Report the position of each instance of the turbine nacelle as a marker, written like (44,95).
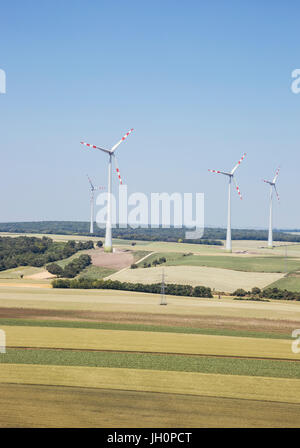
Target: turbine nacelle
(273,182)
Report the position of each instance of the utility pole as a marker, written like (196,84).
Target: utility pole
(163,299)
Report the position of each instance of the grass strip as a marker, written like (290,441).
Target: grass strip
(227,366)
(142,327)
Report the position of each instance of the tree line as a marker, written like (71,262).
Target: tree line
(71,269)
(267,293)
(154,288)
(211,236)
(174,289)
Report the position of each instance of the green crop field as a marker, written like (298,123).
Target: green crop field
(146,361)
(95,272)
(290,282)
(238,263)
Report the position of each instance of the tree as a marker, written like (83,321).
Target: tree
(70,270)
(55,269)
(133,266)
(240,292)
(255,291)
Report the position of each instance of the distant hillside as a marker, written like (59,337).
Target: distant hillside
(211,235)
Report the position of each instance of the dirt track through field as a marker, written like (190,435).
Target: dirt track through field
(175,320)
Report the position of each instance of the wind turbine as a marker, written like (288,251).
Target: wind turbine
(230,178)
(272,184)
(93,189)
(111,154)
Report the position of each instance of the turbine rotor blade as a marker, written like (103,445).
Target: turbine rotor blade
(238,164)
(267,182)
(237,188)
(276,175)
(95,147)
(117,170)
(122,139)
(276,192)
(220,172)
(92,186)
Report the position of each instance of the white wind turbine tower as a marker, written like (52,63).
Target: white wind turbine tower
(272,184)
(111,154)
(93,189)
(230,178)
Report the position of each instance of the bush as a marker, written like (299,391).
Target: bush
(61,283)
(269,293)
(202,291)
(99,243)
(133,266)
(255,291)
(239,292)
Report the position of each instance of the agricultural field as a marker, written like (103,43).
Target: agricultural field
(290,282)
(225,280)
(247,264)
(16,273)
(217,362)
(104,358)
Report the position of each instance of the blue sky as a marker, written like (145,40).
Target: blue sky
(200,82)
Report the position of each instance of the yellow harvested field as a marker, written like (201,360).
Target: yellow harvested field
(133,302)
(44,275)
(80,338)
(229,386)
(22,284)
(220,279)
(59,407)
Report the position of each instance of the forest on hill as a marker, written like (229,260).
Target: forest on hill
(210,236)
(31,251)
